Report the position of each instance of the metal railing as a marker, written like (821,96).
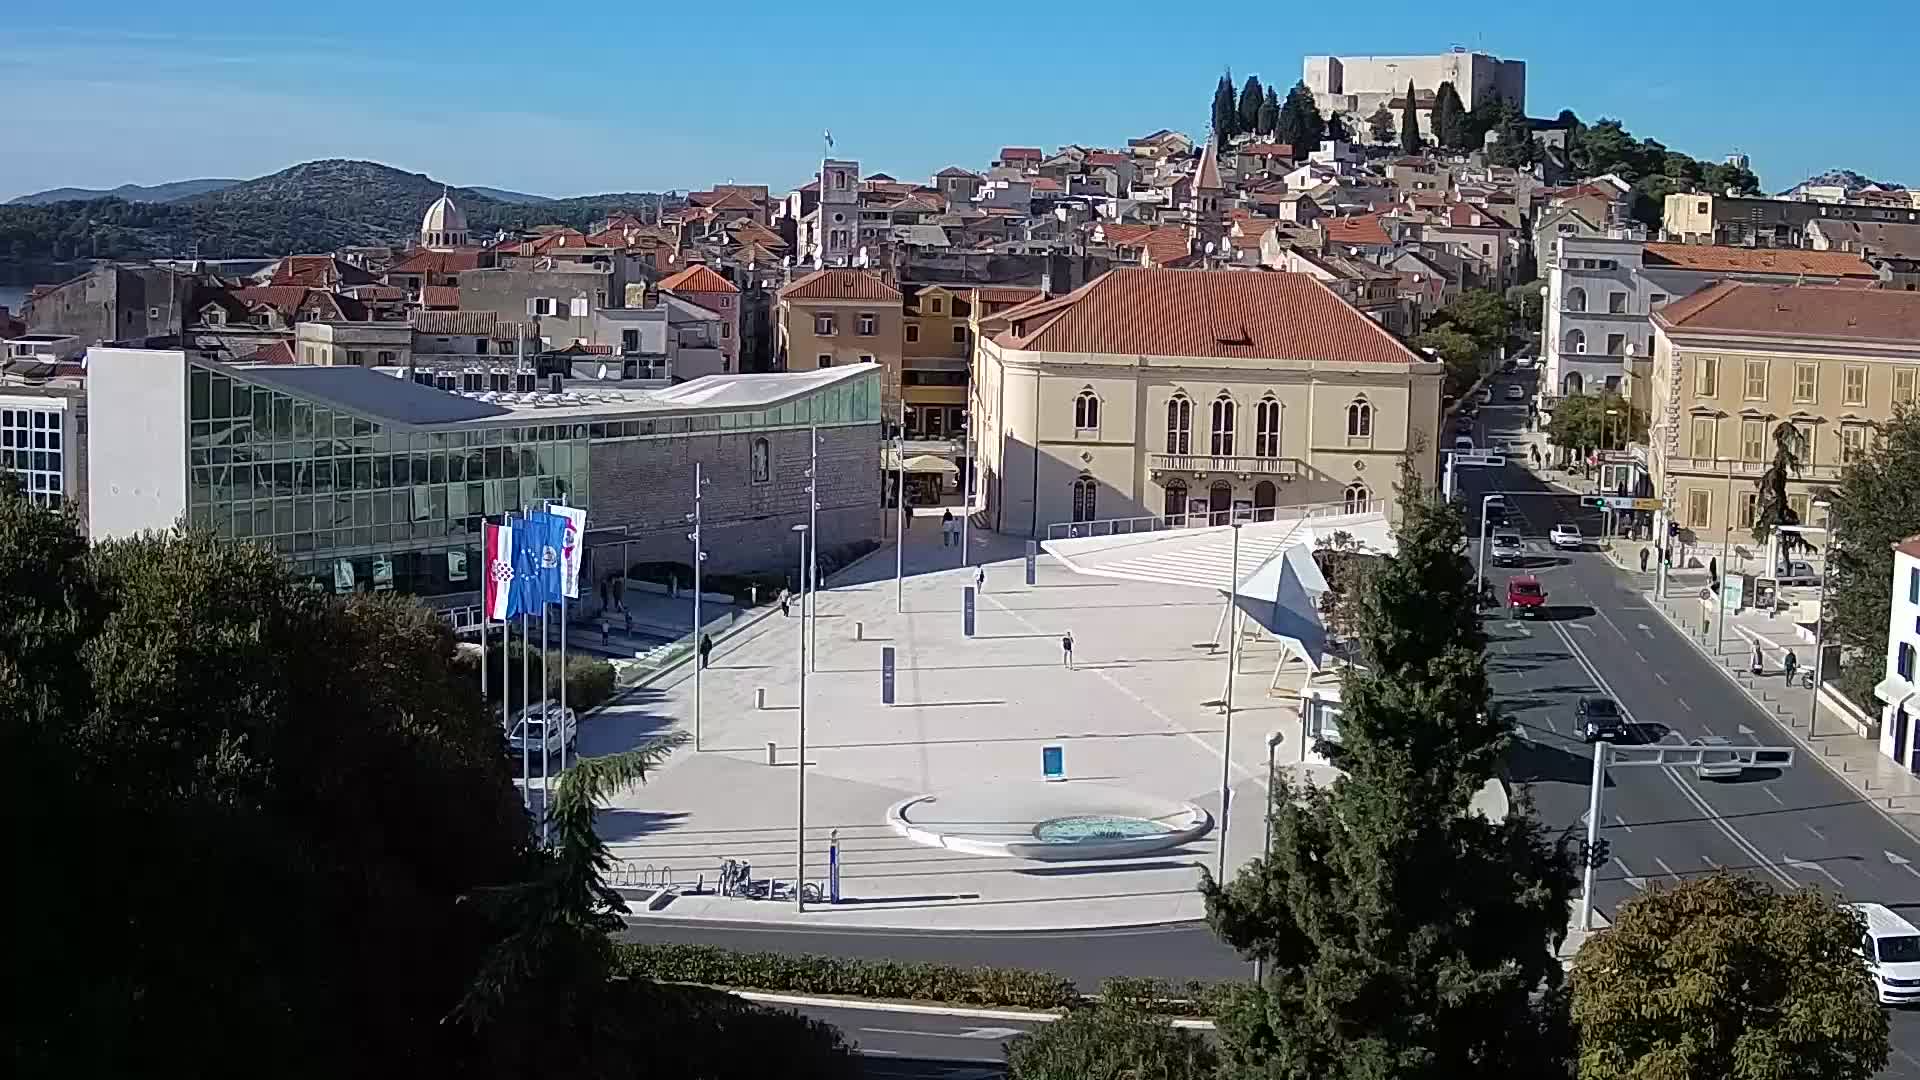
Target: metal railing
(1740,467)
(1152,523)
(1215,463)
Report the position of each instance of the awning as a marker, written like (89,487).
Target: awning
(924,464)
(1894,690)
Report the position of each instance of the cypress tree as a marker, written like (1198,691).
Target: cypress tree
(1252,96)
(1300,123)
(1337,129)
(1225,115)
(1269,114)
(1404,935)
(1409,125)
(1449,118)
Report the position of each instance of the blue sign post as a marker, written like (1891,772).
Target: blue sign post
(1033,559)
(833,864)
(968,610)
(886,675)
(1053,763)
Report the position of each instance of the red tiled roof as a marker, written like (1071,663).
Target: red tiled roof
(284,298)
(1742,260)
(1364,229)
(1044,183)
(838,284)
(1834,312)
(1107,157)
(477,323)
(1020,153)
(440,296)
(1204,313)
(278,352)
(1265,149)
(1006,294)
(698,278)
(318,272)
(1162,243)
(1207,176)
(437,262)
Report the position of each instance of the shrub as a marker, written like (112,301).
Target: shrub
(1115,1038)
(589,679)
(848,976)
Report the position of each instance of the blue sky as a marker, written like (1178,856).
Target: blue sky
(567,99)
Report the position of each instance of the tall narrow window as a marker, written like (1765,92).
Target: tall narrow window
(1704,429)
(1086,412)
(1903,385)
(1179,425)
(1357,497)
(1266,428)
(1756,384)
(1176,502)
(1223,417)
(1853,385)
(1806,382)
(1699,508)
(1749,509)
(1084,490)
(1853,443)
(761,461)
(1753,440)
(1359,419)
(1706,376)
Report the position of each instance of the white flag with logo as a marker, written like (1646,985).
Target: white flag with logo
(571,549)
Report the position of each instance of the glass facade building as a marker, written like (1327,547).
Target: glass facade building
(357,501)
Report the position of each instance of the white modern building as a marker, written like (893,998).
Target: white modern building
(1898,691)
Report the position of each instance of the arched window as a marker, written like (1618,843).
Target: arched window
(1176,504)
(1223,410)
(1264,496)
(1576,299)
(1179,425)
(1576,342)
(1219,502)
(1572,384)
(1083,498)
(1266,428)
(1358,497)
(762,461)
(1086,412)
(1360,419)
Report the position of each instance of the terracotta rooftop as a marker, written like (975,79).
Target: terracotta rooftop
(437,262)
(837,284)
(1162,243)
(476,323)
(1744,260)
(277,352)
(440,296)
(1364,229)
(698,278)
(1020,153)
(1203,313)
(1265,149)
(318,272)
(1831,312)
(1007,294)
(1106,157)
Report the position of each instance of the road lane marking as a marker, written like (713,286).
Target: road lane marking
(1805,865)
(1662,678)
(1641,655)
(1683,703)
(1644,629)
(1622,823)
(1700,803)
(1639,883)
(1708,859)
(1899,861)
(970,1033)
(1771,795)
(1662,864)
(1816,832)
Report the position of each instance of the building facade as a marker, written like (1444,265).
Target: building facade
(1193,395)
(1737,220)
(1899,690)
(1357,85)
(1734,361)
(365,481)
(835,317)
(43,442)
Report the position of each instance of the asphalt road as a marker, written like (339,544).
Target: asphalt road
(1799,827)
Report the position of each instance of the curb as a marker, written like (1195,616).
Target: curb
(636,921)
(866,1005)
(1793,732)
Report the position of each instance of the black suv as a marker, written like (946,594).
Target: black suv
(1597,718)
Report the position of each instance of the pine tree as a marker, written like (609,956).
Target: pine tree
(1226,116)
(1403,934)
(1409,125)
(1380,125)
(1247,116)
(1270,114)
(1514,145)
(1337,129)
(1301,126)
(1449,118)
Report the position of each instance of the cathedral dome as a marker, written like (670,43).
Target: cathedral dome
(444,226)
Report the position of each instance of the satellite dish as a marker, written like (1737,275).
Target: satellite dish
(861,259)
(1209,247)
(602,373)
(786,261)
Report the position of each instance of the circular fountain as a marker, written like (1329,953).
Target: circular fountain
(1048,821)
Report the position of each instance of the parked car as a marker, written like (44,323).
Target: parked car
(1892,948)
(1463,424)
(1566,537)
(530,729)
(1525,596)
(1516,393)
(1506,548)
(1717,760)
(1485,396)
(1597,718)
(1525,363)
(1463,442)
(1796,572)
(1496,514)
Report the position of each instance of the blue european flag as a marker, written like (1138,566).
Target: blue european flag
(550,533)
(528,590)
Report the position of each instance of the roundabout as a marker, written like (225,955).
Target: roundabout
(1048,821)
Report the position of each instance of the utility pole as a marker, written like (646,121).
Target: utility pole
(699,556)
(1233,657)
(900,512)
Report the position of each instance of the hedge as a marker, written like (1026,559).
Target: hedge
(899,979)
(590,680)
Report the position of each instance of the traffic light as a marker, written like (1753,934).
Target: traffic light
(1593,502)
(1598,853)
(1673,528)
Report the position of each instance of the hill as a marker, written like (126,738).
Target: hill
(504,196)
(311,207)
(1844,178)
(158,193)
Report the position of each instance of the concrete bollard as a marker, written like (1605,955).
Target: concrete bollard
(859,631)
(770,754)
(760,697)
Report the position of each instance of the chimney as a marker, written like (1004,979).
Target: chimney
(1046,281)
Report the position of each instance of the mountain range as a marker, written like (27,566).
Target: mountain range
(158,193)
(1844,178)
(311,207)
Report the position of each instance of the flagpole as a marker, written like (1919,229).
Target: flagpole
(546,792)
(506,638)
(526,703)
(564,734)
(699,556)
(813,530)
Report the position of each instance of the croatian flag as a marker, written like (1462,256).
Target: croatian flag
(497,545)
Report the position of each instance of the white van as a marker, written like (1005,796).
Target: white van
(1892,948)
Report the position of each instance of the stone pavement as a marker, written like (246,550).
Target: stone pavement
(1826,736)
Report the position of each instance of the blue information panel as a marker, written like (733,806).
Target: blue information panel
(1053,762)
(1033,558)
(967,607)
(886,675)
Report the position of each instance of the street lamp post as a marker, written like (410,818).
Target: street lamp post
(1480,568)
(812,608)
(1820,612)
(1233,657)
(800,765)
(900,513)
(1266,842)
(966,482)
(699,556)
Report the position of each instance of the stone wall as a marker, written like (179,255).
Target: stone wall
(647,485)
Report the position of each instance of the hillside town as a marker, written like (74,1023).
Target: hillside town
(1653,393)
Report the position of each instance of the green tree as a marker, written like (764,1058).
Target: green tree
(1583,423)
(1458,351)
(1337,129)
(1527,305)
(1301,125)
(1247,114)
(1875,505)
(1773,509)
(1380,125)
(1404,936)
(1724,977)
(1226,114)
(1410,141)
(1449,118)
(1482,314)
(1270,113)
(1514,146)
(1607,147)
(1114,1040)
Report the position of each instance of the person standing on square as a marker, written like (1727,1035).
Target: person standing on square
(1066,650)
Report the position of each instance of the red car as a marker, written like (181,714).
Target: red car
(1525,596)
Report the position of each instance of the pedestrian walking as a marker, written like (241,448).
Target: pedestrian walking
(946,528)
(1790,663)
(1643,560)
(784,613)
(628,617)
(603,630)
(1759,660)
(980,578)
(1066,650)
(706,649)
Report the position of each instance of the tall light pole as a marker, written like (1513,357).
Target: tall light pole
(800,765)
(1480,568)
(1266,842)
(813,529)
(966,482)
(900,512)
(1233,657)
(1820,612)
(1600,747)
(699,556)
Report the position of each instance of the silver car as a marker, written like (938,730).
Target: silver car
(557,729)
(1717,759)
